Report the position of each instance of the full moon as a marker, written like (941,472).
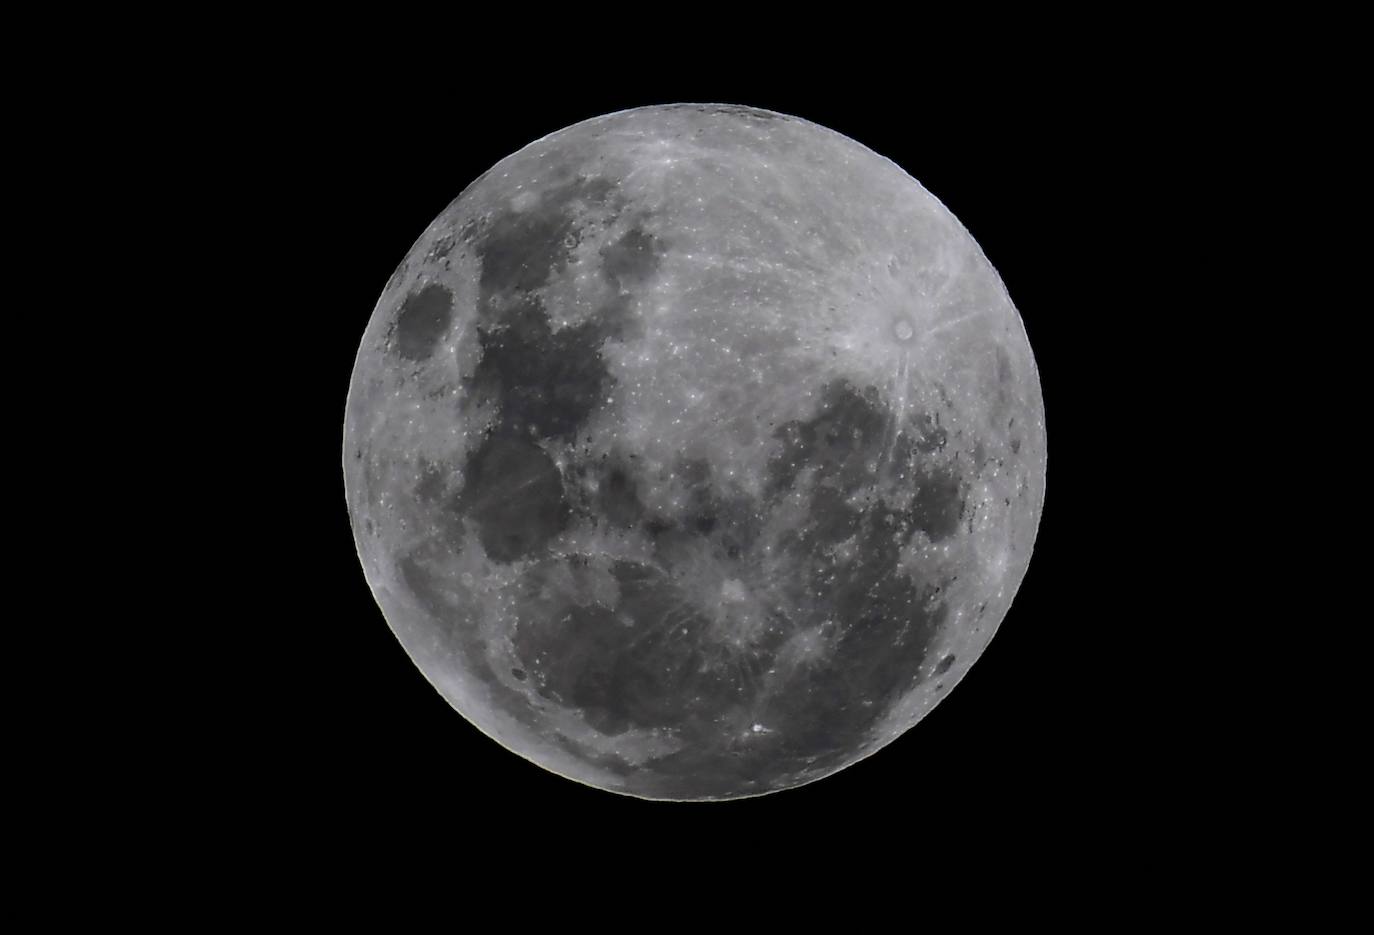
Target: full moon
(694,452)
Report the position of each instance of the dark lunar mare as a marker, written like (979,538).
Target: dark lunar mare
(521,250)
(879,624)
(646,663)
(840,439)
(424,319)
(652,661)
(633,259)
(543,382)
(513,491)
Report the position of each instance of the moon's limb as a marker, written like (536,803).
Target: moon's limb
(694,452)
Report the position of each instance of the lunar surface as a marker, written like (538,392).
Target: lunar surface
(694,452)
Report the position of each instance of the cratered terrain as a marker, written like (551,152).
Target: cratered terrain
(694,452)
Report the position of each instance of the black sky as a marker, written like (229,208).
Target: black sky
(1043,169)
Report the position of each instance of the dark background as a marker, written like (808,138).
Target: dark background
(1047,735)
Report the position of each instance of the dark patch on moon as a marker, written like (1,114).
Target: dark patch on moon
(521,250)
(655,661)
(885,625)
(1005,380)
(739,526)
(832,518)
(938,503)
(430,487)
(702,511)
(616,320)
(617,502)
(943,666)
(840,440)
(581,664)
(513,491)
(931,436)
(633,259)
(1004,374)
(644,663)
(844,439)
(543,382)
(425,317)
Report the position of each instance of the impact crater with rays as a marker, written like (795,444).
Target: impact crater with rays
(694,452)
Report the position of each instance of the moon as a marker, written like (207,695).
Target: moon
(694,452)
